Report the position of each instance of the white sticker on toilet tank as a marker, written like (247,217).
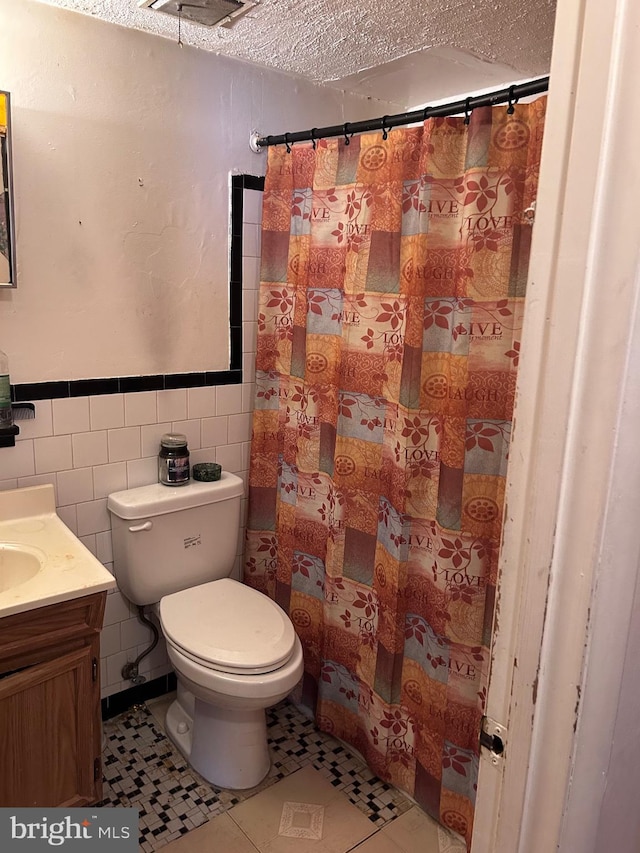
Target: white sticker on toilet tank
(193,541)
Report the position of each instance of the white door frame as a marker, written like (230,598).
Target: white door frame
(582,291)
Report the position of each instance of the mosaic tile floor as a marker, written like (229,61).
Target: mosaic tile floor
(143,769)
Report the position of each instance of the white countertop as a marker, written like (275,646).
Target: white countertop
(68,569)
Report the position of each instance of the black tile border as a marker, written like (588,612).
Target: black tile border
(123,385)
(117,703)
(161,382)
(253,182)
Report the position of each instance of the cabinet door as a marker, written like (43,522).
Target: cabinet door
(49,731)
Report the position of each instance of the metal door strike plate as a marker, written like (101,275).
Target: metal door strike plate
(493,737)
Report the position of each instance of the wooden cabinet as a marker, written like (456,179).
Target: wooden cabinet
(50,723)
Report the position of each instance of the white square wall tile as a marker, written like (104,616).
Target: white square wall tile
(150,438)
(241,540)
(249,366)
(251,241)
(250,305)
(240,427)
(134,632)
(104,548)
(52,454)
(109,478)
(203,454)
(252,206)
(93,517)
(42,424)
(201,402)
(109,689)
(107,411)
(110,640)
(248,396)
(89,542)
(116,608)
(75,486)
(246,455)
(40,480)
(142,472)
(140,407)
(67,514)
(71,414)
(191,429)
(114,667)
(158,657)
(172,405)
(124,444)
(230,457)
(249,337)
(158,672)
(251,274)
(89,448)
(214,431)
(228,399)
(18,461)
(7,485)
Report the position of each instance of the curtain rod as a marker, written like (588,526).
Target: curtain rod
(509,95)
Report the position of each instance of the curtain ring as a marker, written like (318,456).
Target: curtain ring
(425,114)
(347,140)
(512,102)
(467,111)
(313,137)
(385,130)
(287,143)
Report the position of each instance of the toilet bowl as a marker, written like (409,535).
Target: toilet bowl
(223,735)
(234,650)
(240,660)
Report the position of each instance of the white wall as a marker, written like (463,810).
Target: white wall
(123,146)
(88,447)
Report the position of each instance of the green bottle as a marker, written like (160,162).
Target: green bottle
(6,419)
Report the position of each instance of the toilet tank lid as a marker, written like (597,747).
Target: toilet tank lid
(157,499)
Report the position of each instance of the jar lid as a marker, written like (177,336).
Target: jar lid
(207,471)
(173,439)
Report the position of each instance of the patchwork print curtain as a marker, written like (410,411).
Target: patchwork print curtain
(391,300)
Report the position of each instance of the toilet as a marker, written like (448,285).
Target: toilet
(235,651)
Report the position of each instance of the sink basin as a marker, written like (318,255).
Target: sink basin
(18,564)
(41,561)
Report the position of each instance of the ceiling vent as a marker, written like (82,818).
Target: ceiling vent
(210,13)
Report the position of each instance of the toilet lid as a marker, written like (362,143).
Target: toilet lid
(228,626)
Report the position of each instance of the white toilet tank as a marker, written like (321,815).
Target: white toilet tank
(170,538)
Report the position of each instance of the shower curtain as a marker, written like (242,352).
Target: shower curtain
(392,291)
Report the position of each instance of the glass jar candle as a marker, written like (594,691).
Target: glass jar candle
(173,460)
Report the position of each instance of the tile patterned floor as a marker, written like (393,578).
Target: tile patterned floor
(143,769)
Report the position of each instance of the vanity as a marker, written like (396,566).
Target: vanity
(52,597)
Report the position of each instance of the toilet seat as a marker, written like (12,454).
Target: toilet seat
(229,627)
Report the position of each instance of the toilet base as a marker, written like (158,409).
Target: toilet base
(227,747)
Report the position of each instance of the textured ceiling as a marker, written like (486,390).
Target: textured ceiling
(327,41)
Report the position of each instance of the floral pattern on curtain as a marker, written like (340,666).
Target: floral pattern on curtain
(392,292)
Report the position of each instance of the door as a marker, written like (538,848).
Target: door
(583,285)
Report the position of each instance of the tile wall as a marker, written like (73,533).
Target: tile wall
(88,447)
